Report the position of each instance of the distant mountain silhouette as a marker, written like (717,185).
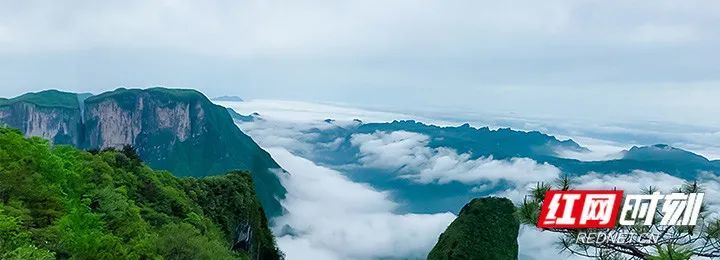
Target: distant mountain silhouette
(663,152)
(228,98)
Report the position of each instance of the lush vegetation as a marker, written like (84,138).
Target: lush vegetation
(215,145)
(127,98)
(49,98)
(60,202)
(485,229)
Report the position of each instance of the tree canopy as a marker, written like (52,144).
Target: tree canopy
(485,229)
(60,202)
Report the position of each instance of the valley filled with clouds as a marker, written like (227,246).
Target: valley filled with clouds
(357,197)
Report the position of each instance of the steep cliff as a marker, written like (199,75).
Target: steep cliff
(52,115)
(485,229)
(180,131)
(176,130)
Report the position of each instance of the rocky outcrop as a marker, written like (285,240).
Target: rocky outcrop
(485,229)
(176,130)
(112,124)
(59,123)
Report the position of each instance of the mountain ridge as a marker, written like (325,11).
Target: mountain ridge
(45,98)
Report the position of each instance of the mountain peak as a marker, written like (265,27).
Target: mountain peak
(486,228)
(663,152)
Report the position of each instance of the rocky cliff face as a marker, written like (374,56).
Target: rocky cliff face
(112,124)
(56,122)
(176,130)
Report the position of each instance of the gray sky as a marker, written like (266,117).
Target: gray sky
(611,60)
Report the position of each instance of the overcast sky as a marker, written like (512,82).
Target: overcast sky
(626,60)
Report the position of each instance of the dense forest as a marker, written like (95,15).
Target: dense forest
(486,228)
(58,202)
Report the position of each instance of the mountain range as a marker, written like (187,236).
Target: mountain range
(506,143)
(334,144)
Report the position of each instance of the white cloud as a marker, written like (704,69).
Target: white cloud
(303,248)
(310,27)
(335,218)
(311,114)
(600,150)
(535,244)
(632,182)
(673,34)
(605,140)
(318,186)
(249,28)
(635,181)
(576,58)
(393,150)
(409,153)
(288,124)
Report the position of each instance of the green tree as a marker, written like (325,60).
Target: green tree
(486,228)
(673,242)
(60,202)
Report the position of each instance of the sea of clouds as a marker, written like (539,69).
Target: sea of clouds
(329,216)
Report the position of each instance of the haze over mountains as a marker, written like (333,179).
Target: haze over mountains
(440,168)
(427,167)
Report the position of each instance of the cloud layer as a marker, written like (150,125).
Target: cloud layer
(303,27)
(331,217)
(409,153)
(353,208)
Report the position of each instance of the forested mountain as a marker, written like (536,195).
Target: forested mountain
(60,202)
(485,229)
(176,130)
